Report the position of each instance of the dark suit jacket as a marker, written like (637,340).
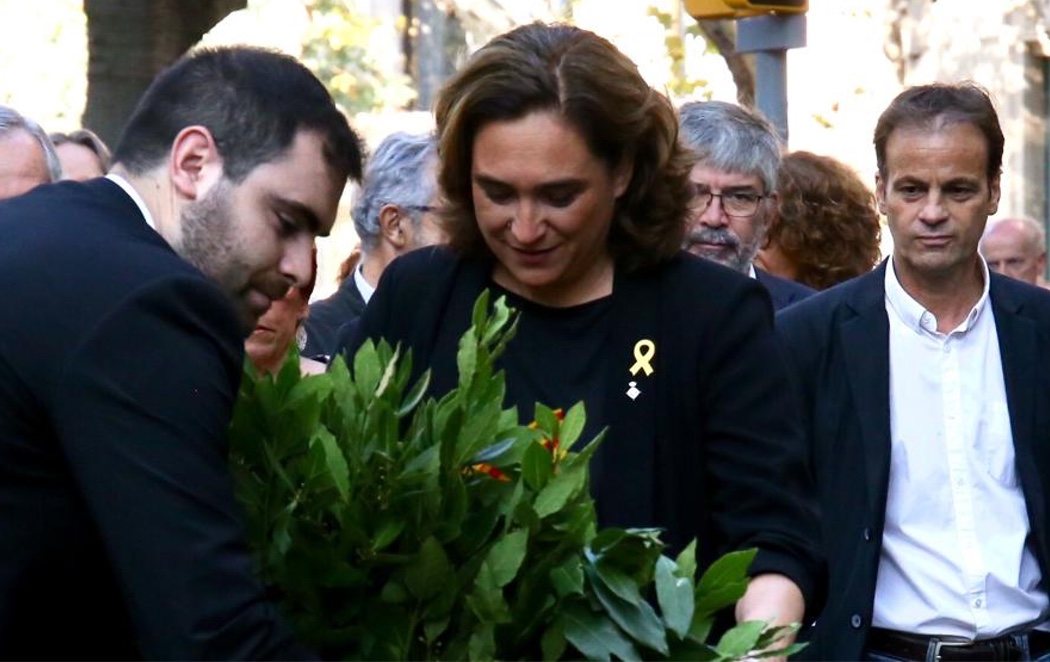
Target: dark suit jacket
(119,365)
(711,449)
(329,315)
(782,291)
(838,342)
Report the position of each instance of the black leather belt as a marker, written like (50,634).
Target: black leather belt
(916,646)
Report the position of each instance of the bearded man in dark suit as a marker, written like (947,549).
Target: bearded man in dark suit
(928,410)
(735,198)
(121,345)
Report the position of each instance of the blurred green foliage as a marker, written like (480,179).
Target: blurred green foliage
(336,49)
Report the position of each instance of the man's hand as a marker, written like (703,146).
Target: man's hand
(773,598)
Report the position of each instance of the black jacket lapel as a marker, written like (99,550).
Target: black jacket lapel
(866,348)
(632,421)
(1018,349)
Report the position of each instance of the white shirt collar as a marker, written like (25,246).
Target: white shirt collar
(751,271)
(135,197)
(914,315)
(363,286)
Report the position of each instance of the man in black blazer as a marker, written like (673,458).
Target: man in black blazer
(927,411)
(735,179)
(127,299)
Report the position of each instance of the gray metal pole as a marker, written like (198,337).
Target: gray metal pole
(769,37)
(771,90)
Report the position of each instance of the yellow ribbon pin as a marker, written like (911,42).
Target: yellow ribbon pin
(644,351)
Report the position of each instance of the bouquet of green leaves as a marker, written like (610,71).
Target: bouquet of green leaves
(395,526)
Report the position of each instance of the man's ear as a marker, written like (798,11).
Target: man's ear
(195,164)
(392,226)
(880,193)
(773,219)
(994,193)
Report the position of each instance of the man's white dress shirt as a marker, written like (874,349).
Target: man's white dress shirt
(135,197)
(954,554)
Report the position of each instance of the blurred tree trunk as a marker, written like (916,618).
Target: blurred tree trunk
(434,44)
(722,35)
(129,42)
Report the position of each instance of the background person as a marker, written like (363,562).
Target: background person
(83,154)
(925,410)
(27,157)
(281,325)
(734,182)
(395,213)
(121,351)
(567,192)
(1016,247)
(826,227)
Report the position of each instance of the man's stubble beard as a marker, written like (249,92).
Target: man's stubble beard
(207,241)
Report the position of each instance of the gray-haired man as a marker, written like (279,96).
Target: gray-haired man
(27,157)
(735,189)
(394,214)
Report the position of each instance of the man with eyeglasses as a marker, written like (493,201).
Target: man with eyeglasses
(395,212)
(734,182)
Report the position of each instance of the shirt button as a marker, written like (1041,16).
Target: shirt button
(855,621)
(977,603)
(867,534)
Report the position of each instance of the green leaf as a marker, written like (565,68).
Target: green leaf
(483,643)
(479,317)
(772,634)
(558,491)
(606,539)
(637,619)
(502,314)
(567,579)
(334,460)
(545,418)
(427,463)
(635,554)
(537,466)
(594,635)
(553,642)
(366,369)
(433,629)
(724,582)
(686,562)
(570,428)
(415,396)
(387,533)
(505,557)
(425,577)
(740,640)
(467,358)
(785,652)
(700,628)
(617,582)
(393,592)
(486,600)
(675,595)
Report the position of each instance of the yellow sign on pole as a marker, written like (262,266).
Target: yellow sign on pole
(708,9)
(775,6)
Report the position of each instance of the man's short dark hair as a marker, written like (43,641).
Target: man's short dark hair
(253,101)
(940,104)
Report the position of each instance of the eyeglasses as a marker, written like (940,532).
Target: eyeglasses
(739,204)
(422,208)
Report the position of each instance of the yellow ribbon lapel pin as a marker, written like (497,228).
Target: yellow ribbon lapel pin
(644,353)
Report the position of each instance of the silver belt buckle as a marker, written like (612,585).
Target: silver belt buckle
(939,643)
